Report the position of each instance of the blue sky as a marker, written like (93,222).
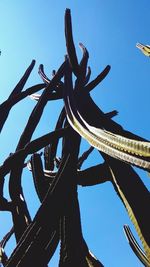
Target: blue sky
(109,29)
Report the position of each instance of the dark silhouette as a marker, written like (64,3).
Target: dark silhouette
(56,179)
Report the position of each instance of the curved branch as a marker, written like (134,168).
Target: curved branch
(135,246)
(84,61)
(30,148)
(84,156)
(18,88)
(126,181)
(94,175)
(70,43)
(88,75)
(3,256)
(20,213)
(52,149)
(41,184)
(114,145)
(43,75)
(98,79)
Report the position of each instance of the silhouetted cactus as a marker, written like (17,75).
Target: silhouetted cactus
(58,218)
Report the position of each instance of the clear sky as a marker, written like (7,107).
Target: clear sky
(109,29)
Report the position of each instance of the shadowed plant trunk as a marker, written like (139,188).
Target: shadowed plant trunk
(56,179)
